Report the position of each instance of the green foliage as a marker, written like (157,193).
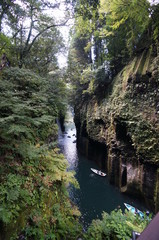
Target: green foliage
(42,56)
(36,47)
(155,22)
(116,225)
(33,175)
(57,94)
(5,44)
(102,77)
(52,212)
(127,19)
(113,29)
(24,111)
(12,193)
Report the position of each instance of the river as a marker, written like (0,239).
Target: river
(96,194)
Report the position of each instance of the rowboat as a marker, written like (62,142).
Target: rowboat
(98,172)
(134,210)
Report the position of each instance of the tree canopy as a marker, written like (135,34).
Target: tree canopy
(29,24)
(107,34)
(112,28)
(33,176)
(34,202)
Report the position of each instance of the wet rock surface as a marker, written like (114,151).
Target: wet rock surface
(126,122)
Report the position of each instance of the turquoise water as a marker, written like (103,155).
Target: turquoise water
(96,194)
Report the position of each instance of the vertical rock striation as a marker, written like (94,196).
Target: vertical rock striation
(126,122)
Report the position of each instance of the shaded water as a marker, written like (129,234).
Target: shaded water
(96,194)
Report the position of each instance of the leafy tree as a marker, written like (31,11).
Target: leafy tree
(58,94)
(112,29)
(5,45)
(34,202)
(43,54)
(33,178)
(116,225)
(29,22)
(6,10)
(155,22)
(134,15)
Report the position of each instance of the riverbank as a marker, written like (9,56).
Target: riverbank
(96,194)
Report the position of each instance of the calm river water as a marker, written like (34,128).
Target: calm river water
(95,194)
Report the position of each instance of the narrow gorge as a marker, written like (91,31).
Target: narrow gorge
(125,122)
(101,57)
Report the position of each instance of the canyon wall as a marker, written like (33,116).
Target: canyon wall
(125,121)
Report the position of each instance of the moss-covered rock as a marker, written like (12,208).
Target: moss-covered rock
(126,120)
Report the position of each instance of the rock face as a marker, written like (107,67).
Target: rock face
(126,124)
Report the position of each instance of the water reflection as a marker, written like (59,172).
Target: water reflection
(95,194)
(67,143)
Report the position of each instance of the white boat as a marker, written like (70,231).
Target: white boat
(98,172)
(134,210)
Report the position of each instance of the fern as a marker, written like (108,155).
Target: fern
(33,174)
(116,225)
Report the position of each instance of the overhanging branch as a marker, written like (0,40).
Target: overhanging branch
(45,29)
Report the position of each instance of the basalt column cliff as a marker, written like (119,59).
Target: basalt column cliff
(124,120)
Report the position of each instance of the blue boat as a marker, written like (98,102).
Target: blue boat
(134,210)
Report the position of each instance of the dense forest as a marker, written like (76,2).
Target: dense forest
(35,92)
(106,36)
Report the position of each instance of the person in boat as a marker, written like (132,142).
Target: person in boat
(147,213)
(136,211)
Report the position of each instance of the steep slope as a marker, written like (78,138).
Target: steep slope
(126,122)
